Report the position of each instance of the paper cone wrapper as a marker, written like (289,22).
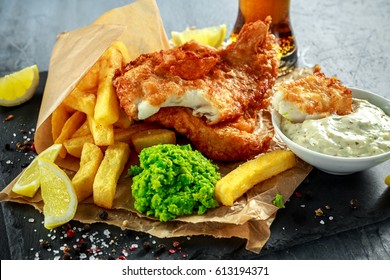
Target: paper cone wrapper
(140,27)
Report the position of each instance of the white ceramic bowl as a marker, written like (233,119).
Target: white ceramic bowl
(334,164)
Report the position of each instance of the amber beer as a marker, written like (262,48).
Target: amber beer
(279,10)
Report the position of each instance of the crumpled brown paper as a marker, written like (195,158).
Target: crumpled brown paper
(75,52)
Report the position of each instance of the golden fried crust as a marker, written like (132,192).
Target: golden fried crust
(318,94)
(232,80)
(231,141)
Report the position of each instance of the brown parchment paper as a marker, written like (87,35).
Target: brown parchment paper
(139,25)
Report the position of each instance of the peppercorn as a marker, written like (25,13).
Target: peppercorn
(86,228)
(175,244)
(70,233)
(67,256)
(103,215)
(146,246)
(9,117)
(44,244)
(353,203)
(319,212)
(160,249)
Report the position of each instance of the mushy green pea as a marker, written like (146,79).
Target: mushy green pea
(173,181)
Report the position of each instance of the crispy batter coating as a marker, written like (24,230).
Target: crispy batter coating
(313,96)
(210,96)
(218,84)
(231,141)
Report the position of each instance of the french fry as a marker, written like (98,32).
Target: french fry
(90,160)
(121,47)
(110,169)
(81,101)
(74,146)
(103,135)
(244,177)
(70,126)
(58,120)
(82,131)
(151,137)
(123,120)
(90,82)
(107,103)
(125,135)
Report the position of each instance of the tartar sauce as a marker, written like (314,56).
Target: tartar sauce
(364,132)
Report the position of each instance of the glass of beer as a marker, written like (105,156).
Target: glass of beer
(279,10)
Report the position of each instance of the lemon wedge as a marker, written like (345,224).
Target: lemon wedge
(213,36)
(58,194)
(387,180)
(19,87)
(29,182)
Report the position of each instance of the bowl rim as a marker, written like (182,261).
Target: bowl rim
(275,114)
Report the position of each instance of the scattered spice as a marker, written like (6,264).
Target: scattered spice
(24,146)
(146,246)
(103,215)
(44,244)
(298,194)
(160,249)
(67,256)
(9,117)
(319,212)
(328,207)
(353,203)
(70,233)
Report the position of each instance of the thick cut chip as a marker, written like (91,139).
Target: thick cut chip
(120,46)
(90,160)
(74,146)
(81,101)
(70,127)
(244,177)
(107,103)
(107,176)
(125,135)
(90,82)
(82,131)
(103,135)
(151,137)
(58,120)
(123,120)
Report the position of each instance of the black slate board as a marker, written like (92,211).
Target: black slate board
(296,224)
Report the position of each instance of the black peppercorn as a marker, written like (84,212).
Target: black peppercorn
(44,244)
(160,249)
(146,246)
(103,215)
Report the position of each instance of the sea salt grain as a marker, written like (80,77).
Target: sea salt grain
(31,220)
(322,222)
(330,218)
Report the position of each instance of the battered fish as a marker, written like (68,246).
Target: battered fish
(238,140)
(219,85)
(312,97)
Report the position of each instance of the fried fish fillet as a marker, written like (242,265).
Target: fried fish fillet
(219,85)
(237,140)
(312,97)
